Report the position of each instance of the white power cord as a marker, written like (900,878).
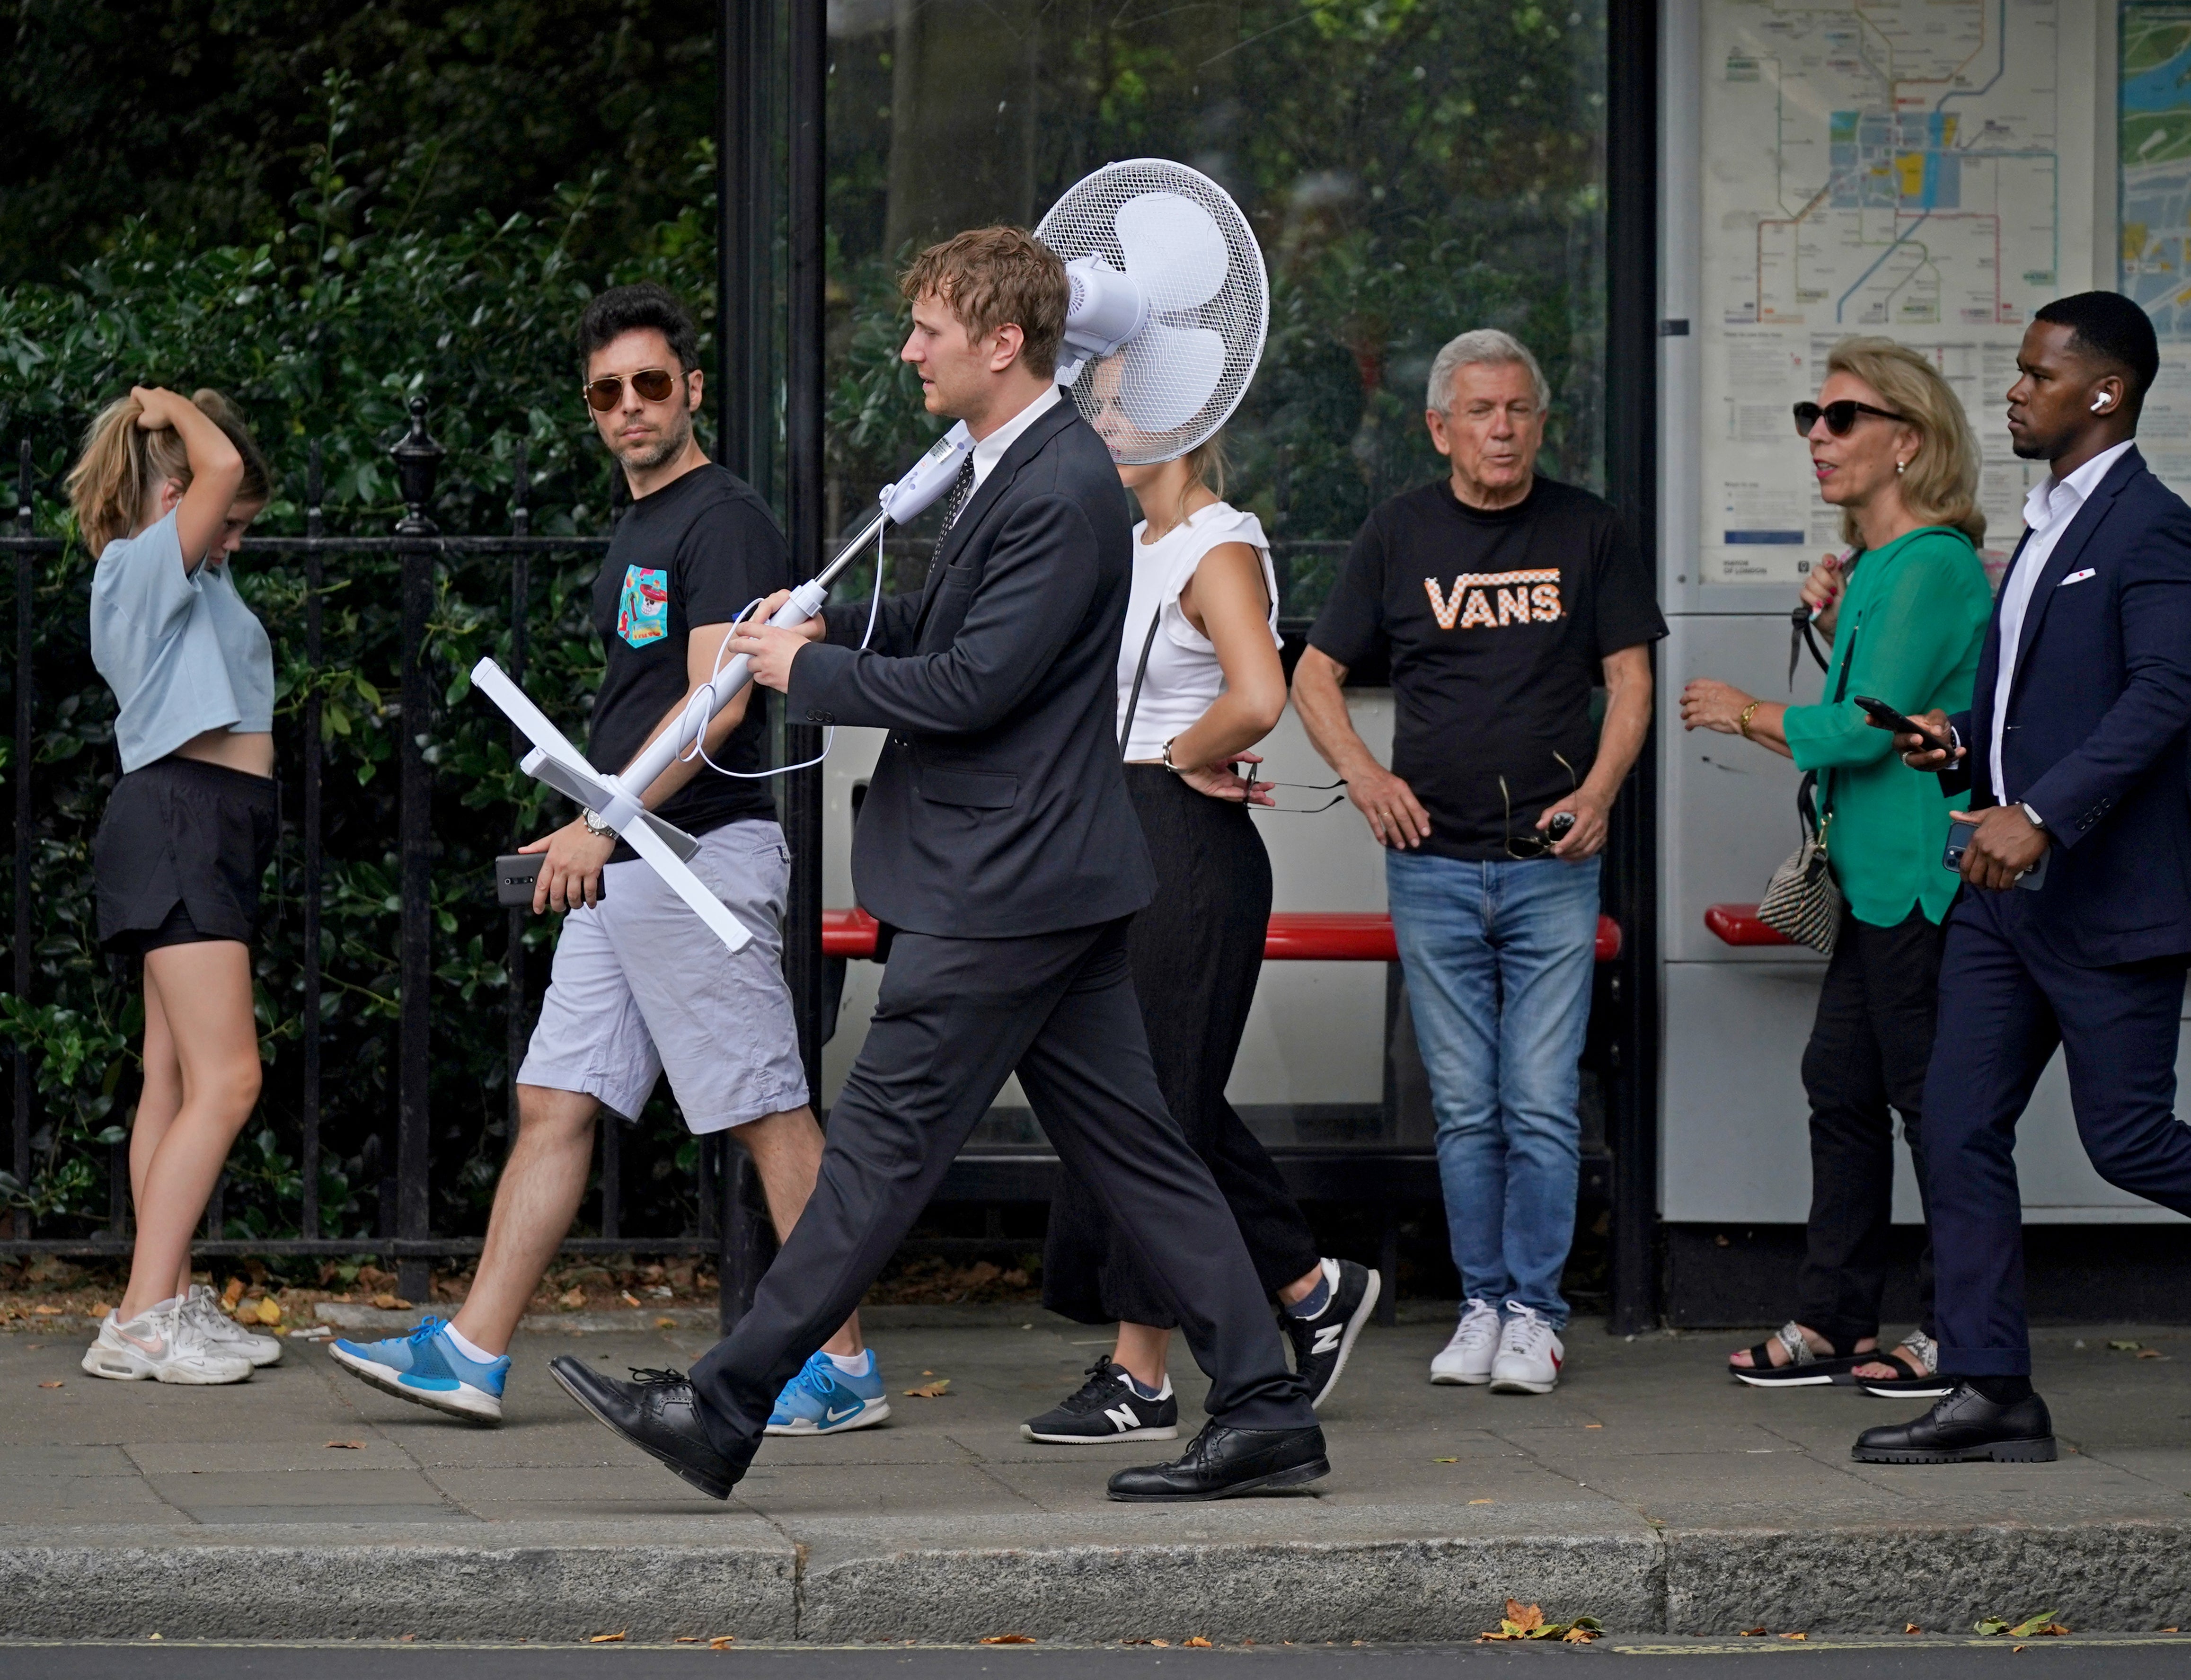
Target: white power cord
(700,710)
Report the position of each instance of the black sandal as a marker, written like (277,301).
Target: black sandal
(1918,1381)
(1804,1369)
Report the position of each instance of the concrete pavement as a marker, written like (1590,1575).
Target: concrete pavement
(1649,1491)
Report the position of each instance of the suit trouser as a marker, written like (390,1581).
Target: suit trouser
(954,1018)
(2007,1000)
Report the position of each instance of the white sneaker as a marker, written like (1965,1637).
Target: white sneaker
(201,1308)
(161,1343)
(1467,1357)
(1529,1353)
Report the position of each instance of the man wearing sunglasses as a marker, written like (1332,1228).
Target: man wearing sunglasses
(1500,599)
(639,985)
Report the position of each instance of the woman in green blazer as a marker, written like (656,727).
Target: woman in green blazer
(1906,613)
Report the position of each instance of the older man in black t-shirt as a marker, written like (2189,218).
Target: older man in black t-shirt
(640,986)
(1501,599)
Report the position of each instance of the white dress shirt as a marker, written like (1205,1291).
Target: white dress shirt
(991,449)
(2048,511)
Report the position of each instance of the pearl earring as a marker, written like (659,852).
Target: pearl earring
(1900,467)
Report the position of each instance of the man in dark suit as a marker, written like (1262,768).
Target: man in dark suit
(998,847)
(2073,927)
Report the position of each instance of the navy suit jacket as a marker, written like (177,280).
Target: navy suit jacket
(2098,718)
(997,808)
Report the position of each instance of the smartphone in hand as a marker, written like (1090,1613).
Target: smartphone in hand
(1887,718)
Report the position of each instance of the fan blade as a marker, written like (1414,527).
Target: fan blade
(1166,373)
(1173,250)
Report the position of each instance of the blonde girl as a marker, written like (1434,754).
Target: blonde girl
(166,488)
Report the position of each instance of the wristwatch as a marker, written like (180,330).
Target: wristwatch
(594,825)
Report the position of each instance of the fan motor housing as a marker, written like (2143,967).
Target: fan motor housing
(1107,308)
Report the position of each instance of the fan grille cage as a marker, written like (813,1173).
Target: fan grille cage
(1084,222)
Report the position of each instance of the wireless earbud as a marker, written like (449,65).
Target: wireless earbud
(2101,401)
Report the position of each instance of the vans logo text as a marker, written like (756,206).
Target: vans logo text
(1493,599)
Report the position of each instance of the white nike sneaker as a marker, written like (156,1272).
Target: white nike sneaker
(162,1344)
(1529,1353)
(202,1307)
(1467,1357)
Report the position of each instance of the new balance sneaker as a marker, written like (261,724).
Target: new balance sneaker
(427,1369)
(1106,1408)
(1467,1358)
(1529,1353)
(1321,1344)
(202,1307)
(823,1400)
(162,1344)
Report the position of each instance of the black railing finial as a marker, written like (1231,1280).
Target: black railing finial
(417,463)
(23,516)
(520,490)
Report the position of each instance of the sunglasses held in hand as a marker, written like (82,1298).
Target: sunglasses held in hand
(1840,417)
(655,384)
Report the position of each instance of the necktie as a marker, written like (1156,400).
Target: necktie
(962,490)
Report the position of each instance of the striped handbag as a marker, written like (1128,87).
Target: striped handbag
(1802,900)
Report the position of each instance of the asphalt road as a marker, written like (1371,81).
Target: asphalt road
(1824,1659)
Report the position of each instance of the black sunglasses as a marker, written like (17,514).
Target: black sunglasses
(655,384)
(1840,417)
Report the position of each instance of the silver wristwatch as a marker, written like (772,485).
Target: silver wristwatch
(594,825)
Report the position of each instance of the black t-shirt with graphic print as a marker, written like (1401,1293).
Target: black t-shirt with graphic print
(695,552)
(1496,624)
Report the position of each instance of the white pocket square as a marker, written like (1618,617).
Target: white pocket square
(2076,578)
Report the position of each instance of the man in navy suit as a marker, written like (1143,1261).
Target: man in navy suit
(1000,852)
(2073,927)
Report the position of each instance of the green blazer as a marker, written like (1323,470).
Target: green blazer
(1916,615)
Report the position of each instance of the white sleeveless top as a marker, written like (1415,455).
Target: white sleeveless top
(1183,677)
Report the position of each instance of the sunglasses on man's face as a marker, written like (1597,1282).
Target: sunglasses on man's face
(654,383)
(1840,417)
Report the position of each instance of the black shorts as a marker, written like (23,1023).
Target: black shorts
(180,853)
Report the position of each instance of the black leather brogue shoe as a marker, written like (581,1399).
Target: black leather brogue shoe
(654,1412)
(1221,1462)
(1964,1427)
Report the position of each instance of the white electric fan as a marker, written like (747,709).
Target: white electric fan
(1168,309)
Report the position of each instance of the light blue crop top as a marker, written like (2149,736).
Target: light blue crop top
(182,652)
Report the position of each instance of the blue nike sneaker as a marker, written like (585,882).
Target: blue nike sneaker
(427,1367)
(822,1400)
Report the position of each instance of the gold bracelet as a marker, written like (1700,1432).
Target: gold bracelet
(1742,723)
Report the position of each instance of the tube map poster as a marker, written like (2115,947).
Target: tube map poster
(2154,206)
(1893,166)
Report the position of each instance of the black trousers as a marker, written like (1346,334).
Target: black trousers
(954,1018)
(1870,1047)
(2007,1001)
(1196,953)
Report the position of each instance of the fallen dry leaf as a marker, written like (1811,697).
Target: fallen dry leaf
(1009,1639)
(2044,1622)
(1198,1642)
(97,1309)
(1913,1628)
(1525,1616)
(348,1446)
(391,1303)
(665,1324)
(1593,1426)
(2150,1353)
(1579,1635)
(722,1641)
(615,1638)
(572,1297)
(47,1311)
(2124,1347)
(1795,1636)
(1165,1644)
(1445,1461)
(231,1295)
(1483,1501)
(1755,1632)
(930,1391)
(49,1385)
(686,1639)
(270,1310)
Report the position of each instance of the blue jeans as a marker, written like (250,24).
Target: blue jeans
(1498,960)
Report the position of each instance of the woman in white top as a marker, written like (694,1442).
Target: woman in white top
(164,491)
(1199,684)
